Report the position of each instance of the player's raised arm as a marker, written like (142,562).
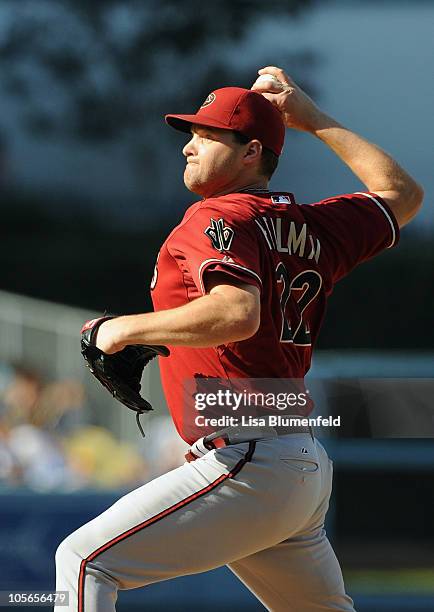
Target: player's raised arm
(373,166)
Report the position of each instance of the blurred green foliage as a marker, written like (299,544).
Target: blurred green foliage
(105,70)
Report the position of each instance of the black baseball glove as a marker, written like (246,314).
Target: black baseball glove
(120,372)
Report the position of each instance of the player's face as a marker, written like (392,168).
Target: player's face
(214,161)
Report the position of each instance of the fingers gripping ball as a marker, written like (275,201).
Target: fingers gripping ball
(268,78)
(120,372)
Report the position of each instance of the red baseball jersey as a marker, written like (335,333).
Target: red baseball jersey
(292,253)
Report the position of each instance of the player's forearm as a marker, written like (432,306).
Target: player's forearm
(206,321)
(373,166)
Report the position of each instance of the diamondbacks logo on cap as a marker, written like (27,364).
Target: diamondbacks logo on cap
(220,234)
(210,99)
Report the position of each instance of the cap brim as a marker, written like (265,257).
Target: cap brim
(183,123)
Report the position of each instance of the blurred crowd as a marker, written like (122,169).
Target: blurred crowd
(49,444)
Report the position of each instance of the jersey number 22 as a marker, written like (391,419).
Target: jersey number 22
(308,283)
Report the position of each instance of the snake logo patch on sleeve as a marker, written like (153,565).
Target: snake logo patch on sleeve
(220,234)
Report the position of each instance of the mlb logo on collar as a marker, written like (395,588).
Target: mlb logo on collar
(281,199)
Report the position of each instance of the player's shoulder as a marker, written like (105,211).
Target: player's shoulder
(359,204)
(227,209)
(352,215)
(234,206)
(230,208)
(356,198)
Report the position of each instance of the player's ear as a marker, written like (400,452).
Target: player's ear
(253,152)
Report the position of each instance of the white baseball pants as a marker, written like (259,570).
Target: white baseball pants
(257,507)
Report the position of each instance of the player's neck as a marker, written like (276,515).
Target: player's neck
(260,185)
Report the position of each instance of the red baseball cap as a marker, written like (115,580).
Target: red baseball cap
(242,110)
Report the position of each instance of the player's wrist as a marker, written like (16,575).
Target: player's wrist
(110,338)
(318,122)
(128,330)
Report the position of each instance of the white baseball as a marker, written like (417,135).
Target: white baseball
(269,77)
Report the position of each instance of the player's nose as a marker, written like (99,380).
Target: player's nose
(190,148)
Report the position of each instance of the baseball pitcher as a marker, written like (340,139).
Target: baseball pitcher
(239,290)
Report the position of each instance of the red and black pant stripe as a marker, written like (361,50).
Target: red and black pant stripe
(154,519)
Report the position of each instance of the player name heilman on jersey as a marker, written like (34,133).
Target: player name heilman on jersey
(289,237)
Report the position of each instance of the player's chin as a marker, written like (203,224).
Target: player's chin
(192,182)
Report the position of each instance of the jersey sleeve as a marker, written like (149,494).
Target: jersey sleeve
(353,227)
(214,240)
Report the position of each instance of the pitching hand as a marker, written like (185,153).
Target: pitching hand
(299,112)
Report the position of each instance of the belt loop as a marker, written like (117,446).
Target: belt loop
(189,457)
(197,450)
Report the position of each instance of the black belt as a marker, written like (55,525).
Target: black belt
(237,435)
